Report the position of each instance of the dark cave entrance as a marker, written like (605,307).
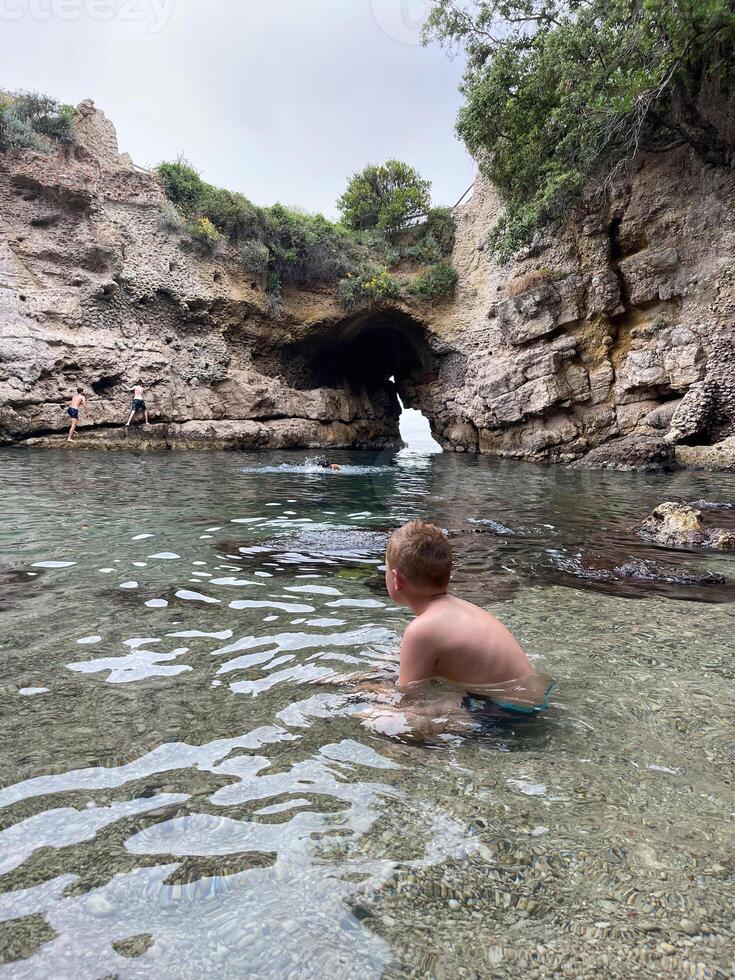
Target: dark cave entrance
(383,354)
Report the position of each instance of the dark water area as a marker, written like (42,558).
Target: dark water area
(180,797)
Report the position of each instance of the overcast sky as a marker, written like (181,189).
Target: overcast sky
(280,99)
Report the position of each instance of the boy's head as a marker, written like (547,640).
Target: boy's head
(80,391)
(418,562)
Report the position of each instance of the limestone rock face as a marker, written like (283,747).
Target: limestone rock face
(610,339)
(719,456)
(96,293)
(614,333)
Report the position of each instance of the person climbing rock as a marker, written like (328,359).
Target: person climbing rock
(139,404)
(77,403)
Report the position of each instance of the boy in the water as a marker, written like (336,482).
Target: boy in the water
(77,403)
(450,640)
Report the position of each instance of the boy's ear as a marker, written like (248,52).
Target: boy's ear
(398,580)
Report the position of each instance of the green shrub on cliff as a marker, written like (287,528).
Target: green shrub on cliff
(307,248)
(171,218)
(370,284)
(255,256)
(182,185)
(437,282)
(387,197)
(301,248)
(205,234)
(560,94)
(30,120)
(297,248)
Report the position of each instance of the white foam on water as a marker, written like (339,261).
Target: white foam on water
(527,787)
(189,596)
(313,469)
(53,564)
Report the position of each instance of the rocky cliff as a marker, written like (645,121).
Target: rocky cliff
(612,339)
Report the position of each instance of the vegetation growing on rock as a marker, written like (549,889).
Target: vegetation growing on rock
(435,283)
(30,120)
(387,196)
(559,94)
(371,284)
(289,246)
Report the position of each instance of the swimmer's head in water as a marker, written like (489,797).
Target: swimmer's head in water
(418,561)
(322,462)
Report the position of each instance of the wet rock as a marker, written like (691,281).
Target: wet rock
(20,938)
(647,454)
(638,578)
(638,569)
(678,525)
(712,505)
(134,946)
(17,584)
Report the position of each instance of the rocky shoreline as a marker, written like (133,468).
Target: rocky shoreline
(608,344)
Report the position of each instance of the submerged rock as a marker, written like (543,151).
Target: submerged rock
(639,578)
(681,526)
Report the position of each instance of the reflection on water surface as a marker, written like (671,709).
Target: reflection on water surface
(179,798)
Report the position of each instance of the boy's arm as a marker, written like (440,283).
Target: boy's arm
(418,657)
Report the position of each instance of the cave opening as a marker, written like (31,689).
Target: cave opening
(364,351)
(383,352)
(415,431)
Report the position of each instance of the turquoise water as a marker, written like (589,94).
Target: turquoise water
(181,798)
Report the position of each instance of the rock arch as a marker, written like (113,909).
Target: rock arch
(379,354)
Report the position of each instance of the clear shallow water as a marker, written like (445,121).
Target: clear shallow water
(179,799)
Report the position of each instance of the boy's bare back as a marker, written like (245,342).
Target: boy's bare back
(461,643)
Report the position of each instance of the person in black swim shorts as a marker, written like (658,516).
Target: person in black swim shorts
(139,404)
(77,403)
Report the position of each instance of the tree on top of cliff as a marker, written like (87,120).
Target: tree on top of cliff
(30,120)
(387,197)
(562,93)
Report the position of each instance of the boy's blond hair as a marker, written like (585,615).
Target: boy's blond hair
(421,553)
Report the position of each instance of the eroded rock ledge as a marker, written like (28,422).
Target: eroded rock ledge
(615,330)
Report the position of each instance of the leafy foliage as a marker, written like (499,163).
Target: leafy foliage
(171,218)
(30,120)
(288,246)
(274,292)
(562,92)
(386,197)
(435,283)
(373,283)
(299,247)
(204,232)
(255,256)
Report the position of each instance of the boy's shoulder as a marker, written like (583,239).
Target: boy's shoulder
(432,622)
